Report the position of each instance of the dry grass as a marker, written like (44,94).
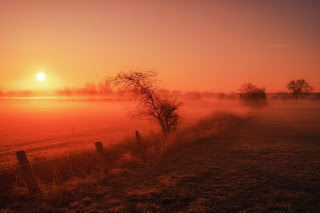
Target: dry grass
(223,163)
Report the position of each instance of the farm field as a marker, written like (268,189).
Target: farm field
(159,106)
(53,127)
(267,162)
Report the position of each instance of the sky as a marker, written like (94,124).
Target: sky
(199,45)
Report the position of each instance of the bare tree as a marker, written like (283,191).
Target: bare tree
(299,87)
(90,88)
(250,92)
(154,102)
(104,88)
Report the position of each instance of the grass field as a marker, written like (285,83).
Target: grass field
(226,162)
(47,128)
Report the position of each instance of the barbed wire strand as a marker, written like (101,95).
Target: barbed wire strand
(46,160)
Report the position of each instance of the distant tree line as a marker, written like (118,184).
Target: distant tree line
(17,93)
(299,89)
(102,88)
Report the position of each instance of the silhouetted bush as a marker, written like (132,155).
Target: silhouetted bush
(251,94)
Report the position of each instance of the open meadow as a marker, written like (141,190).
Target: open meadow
(159,106)
(49,127)
(224,157)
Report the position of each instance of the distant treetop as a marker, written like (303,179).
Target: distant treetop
(299,88)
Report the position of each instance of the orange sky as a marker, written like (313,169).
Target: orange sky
(195,45)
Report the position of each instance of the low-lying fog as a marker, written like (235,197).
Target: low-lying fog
(53,125)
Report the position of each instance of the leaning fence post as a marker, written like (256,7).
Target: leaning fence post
(27,173)
(141,147)
(101,156)
(138,137)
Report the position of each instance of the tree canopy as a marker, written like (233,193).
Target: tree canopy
(154,101)
(299,87)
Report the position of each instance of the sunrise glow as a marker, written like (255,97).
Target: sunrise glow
(206,45)
(159,106)
(41,76)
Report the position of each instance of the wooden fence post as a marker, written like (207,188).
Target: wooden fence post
(27,173)
(141,147)
(138,137)
(101,156)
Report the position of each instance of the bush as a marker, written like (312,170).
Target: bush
(250,93)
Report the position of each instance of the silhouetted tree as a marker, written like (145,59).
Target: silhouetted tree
(65,92)
(153,101)
(250,93)
(299,87)
(104,88)
(90,88)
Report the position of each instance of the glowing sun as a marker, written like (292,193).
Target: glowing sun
(41,76)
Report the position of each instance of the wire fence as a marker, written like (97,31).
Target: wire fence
(15,167)
(27,171)
(41,161)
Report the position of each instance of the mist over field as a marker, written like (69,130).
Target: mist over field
(233,146)
(54,126)
(159,106)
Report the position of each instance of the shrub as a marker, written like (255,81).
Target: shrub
(250,93)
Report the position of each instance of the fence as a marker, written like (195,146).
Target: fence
(31,180)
